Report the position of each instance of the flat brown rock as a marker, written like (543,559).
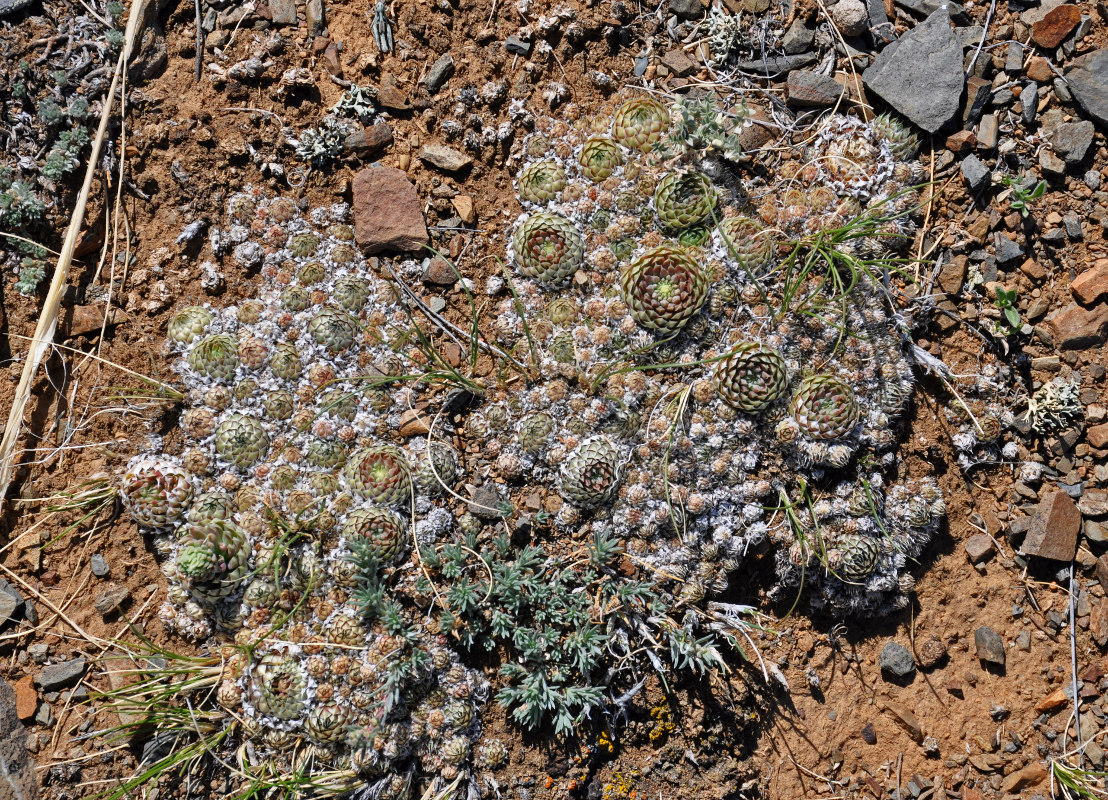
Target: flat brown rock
(907,720)
(1055,26)
(1092,283)
(1031,775)
(1098,435)
(1054,528)
(387,213)
(1078,328)
(26,698)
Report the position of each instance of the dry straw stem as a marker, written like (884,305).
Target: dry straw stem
(48,319)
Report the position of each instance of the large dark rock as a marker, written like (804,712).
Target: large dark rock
(387,213)
(1087,78)
(920,74)
(17,769)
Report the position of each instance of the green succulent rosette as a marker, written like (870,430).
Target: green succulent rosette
(664,288)
(640,123)
(241,440)
(751,377)
(684,199)
(216,357)
(590,475)
(903,142)
(858,558)
(747,242)
(333,328)
(189,324)
(541,181)
(824,407)
(599,158)
(213,559)
(548,248)
(278,687)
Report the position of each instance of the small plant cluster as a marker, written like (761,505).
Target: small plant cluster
(683,374)
(323,143)
(48,118)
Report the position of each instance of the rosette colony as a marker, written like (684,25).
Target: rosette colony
(699,373)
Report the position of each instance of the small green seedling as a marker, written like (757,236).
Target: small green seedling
(1006,302)
(1022,197)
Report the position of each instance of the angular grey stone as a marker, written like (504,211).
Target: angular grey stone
(879,25)
(988,132)
(975,172)
(282,12)
(444,158)
(99,566)
(111,599)
(1072,224)
(1071,140)
(978,94)
(316,22)
(439,73)
(58,676)
(807,88)
(11,602)
(18,776)
(775,66)
(896,659)
(1050,164)
(1013,63)
(920,74)
(969,36)
(1062,91)
(686,9)
(1006,250)
(517,46)
(798,36)
(1030,101)
(926,8)
(990,647)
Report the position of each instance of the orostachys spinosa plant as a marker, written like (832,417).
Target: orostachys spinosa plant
(698,375)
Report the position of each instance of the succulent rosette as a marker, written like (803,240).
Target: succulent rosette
(241,440)
(824,407)
(333,328)
(751,377)
(541,181)
(156,492)
(747,241)
(279,687)
(379,474)
(213,559)
(640,122)
(664,288)
(383,530)
(189,324)
(902,140)
(857,558)
(548,248)
(215,357)
(684,199)
(591,473)
(600,157)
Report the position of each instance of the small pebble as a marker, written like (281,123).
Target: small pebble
(99,566)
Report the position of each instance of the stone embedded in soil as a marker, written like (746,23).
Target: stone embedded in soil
(979,548)
(1091,284)
(439,73)
(26,698)
(1071,140)
(975,172)
(445,158)
(990,647)
(907,720)
(387,212)
(1077,328)
(810,89)
(799,36)
(1093,503)
(896,660)
(869,735)
(932,652)
(1054,528)
(111,599)
(517,46)
(19,780)
(679,64)
(485,502)
(58,676)
(920,74)
(775,66)
(1007,250)
(9,605)
(1087,79)
(687,10)
(1055,26)
(282,12)
(99,566)
(850,17)
(1098,436)
(465,208)
(440,272)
